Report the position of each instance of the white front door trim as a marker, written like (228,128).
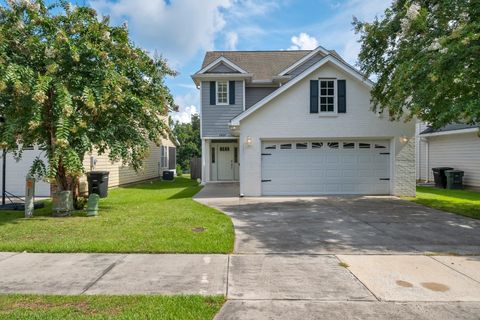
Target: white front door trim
(223,161)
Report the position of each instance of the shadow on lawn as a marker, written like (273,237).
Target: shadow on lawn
(187,187)
(44,214)
(185,193)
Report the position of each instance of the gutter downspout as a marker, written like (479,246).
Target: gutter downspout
(427,164)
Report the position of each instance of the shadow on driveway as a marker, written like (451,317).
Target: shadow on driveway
(346,225)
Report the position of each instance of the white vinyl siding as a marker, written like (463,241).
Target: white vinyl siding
(286,118)
(459,151)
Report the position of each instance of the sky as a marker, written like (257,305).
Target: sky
(183,30)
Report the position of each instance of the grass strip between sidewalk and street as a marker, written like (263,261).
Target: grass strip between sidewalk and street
(34,307)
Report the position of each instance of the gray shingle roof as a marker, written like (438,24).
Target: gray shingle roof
(263,65)
(450,127)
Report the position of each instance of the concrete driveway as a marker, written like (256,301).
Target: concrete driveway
(347,257)
(341,225)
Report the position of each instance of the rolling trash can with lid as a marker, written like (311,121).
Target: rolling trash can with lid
(98,183)
(454,179)
(439,176)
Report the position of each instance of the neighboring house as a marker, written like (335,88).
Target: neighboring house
(160,158)
(16,173)
(298,123)
(456,146)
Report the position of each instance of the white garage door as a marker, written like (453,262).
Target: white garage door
(325,167)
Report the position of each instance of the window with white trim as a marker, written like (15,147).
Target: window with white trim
(327,95)
(163,156)
(222,92)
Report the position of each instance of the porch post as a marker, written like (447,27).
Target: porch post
(205,161)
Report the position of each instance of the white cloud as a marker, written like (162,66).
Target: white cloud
(187,106)
(231,39)
(185,116)
(303,42)
(340,34)
(178,29)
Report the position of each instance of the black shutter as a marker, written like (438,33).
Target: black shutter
(231,91)
(342,96)
(212,93)
(313,96)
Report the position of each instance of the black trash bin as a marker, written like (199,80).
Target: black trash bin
(439,176)
(454,179)
(98,183)
(167,175)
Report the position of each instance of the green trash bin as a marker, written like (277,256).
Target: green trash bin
(454,179)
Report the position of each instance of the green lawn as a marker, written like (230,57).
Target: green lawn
(153,217)
(108,307)
(465,203)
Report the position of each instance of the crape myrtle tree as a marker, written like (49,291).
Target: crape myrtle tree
(70,83)
(426,58)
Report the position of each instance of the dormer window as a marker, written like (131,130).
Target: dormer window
(222,92)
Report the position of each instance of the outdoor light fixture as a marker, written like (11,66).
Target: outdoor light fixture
(249,141)
(403,139)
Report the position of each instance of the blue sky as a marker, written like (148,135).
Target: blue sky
(182,30)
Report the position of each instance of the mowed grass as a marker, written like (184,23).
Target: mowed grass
(462,202)
(154,217)
(108,307)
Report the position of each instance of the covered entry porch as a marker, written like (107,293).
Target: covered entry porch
(220,160)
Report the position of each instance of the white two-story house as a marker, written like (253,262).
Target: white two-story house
(298,123)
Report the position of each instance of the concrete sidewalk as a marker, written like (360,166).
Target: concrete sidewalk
(50,273)
(247,276)
(265,286)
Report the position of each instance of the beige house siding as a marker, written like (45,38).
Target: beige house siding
(122,175)
(459,151)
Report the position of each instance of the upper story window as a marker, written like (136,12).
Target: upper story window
(327,95)
(222,92)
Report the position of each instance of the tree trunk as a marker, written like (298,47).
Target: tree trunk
(67,183)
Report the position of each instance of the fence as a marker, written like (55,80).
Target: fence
(196,168)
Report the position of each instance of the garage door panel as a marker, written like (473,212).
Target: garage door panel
(325,170)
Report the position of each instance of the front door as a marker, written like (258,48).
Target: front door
(225,162)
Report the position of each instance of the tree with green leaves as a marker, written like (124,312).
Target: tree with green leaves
(70,83)
(426,58)
(190,143)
